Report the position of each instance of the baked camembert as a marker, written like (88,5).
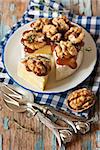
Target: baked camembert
(51,44)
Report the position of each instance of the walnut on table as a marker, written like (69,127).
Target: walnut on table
(81,99)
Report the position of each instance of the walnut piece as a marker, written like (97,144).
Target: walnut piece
(49,30)
(39,65)
(56,37)
(75,35)
(33,40)
(80,99)
(61,23)
(68,47)
(39,23)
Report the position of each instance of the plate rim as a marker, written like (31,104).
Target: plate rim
(43,92)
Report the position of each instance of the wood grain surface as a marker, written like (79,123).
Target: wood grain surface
(33,135)
(18,132)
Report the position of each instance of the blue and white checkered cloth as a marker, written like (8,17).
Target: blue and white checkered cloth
(49,8)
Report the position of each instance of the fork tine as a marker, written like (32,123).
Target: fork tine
(11,91)
(8,99)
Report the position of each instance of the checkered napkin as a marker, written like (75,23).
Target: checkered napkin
(49,8)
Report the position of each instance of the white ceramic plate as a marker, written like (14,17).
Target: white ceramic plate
(12,55)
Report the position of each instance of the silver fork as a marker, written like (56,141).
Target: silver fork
(43,118)
(10,97)
(13,95)
(6,88)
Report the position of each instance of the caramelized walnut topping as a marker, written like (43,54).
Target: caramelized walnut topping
(59,52)
(49,30)
(31,47)
(39,65)
(28,50)
(71,62)
(61,23)
(56,37)
(67,54)
(74,34)
(33,40)
(81,99)
(32,36)
(39,23)
(68,47)
(57,31)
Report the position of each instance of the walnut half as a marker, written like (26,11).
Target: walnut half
(81,99)
(39,65)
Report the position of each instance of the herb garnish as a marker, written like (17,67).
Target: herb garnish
(31,38)
(87,49)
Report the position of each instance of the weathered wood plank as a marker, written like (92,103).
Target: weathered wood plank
(98,139)
(83,7)
(94,7)
(1,141)
(54,146)
(19,139)
(98,8)
(10,12)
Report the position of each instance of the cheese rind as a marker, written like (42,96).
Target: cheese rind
(63,71)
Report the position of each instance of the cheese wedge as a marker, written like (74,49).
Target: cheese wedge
(38,82)
(63,71)
(30,77)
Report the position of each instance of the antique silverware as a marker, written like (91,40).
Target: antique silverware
(19,102)
(14,103)
(66,135)
(7,92)
(19,94)
(29,107)
(82,127)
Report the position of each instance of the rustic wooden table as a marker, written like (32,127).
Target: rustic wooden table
(37,136)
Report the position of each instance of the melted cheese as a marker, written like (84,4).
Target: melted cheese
(44,50)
